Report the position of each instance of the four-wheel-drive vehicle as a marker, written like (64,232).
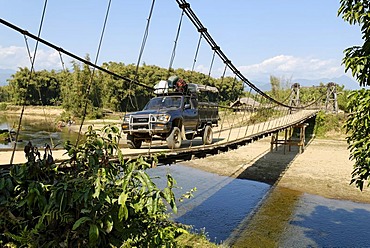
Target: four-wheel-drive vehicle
(179,111)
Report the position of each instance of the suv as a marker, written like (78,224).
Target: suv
(173,116)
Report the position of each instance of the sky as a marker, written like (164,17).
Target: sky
(289,39)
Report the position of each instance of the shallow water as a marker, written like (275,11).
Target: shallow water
(38,131)
(245,213)
(219,204)
(322,222)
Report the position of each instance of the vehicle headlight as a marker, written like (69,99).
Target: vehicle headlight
(163,118)
(126,118)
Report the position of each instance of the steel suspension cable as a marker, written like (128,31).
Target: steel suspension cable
(211,66)
(145,37)
(141,52)
(72,55)
(93,72)
(175,42)
(196,52)
(32,61)
(185,6)
(27,84)
(61,60)
(251,114)
(143,43)
(223,119)
(242,124)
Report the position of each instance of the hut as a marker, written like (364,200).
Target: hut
(245,103)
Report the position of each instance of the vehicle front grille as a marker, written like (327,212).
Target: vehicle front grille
(138,127)
(140,120)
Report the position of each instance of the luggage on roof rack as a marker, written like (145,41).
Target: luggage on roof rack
(174,85)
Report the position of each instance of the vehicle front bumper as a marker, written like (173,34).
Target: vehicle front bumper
(152,128)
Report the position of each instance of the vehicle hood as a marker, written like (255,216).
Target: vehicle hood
(159,111)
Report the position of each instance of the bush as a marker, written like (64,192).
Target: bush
(3,106)
(329,124)
(87,201)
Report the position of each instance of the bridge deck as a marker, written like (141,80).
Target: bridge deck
(222,139)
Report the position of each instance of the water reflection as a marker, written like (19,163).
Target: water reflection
(322,222)
(243,213)
(290,218)
(37,130)
(219,204)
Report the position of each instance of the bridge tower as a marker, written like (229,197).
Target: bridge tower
(331,103)
(294,95)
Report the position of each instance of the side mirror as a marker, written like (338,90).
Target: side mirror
(187,106)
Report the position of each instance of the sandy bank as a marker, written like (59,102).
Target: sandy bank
(323,169)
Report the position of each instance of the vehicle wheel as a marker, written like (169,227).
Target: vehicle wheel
(174,140)
(207,136)
(132,142)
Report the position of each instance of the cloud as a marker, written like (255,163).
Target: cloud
(285,66)
(13,57)
(293,67)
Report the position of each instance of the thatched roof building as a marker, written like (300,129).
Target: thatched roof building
(246,103)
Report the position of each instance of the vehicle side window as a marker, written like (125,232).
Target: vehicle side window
(194,103)
(190,102)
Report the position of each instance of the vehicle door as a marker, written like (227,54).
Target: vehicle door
(190,114)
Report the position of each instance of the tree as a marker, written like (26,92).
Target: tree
(280,88)
(357,59)
(4,93)
(36,88)
(75,92)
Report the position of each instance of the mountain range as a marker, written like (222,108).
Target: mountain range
(349,83)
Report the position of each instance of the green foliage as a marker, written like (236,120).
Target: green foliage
(342,98)
(329,125)
(3,106)
(358,129)
(313,94)
(38,88)
(80,88)
(280,88)
(70,88)
(89,200)
(263,114)
(4,93)
(357,58)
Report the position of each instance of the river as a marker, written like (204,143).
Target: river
(244,213)
(37,130)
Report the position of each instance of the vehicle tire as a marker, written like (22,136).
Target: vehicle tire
(174,139)
(207,136)
(133,143)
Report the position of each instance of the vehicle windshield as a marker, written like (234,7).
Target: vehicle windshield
(163,102)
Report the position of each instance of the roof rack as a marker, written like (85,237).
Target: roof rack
(176,85)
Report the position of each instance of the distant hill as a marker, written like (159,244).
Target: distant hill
(4,75)
(349,83)
(261,85)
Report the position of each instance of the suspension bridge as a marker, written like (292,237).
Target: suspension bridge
(238,124)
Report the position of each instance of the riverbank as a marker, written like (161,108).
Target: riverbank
(34,111)
(322,169)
